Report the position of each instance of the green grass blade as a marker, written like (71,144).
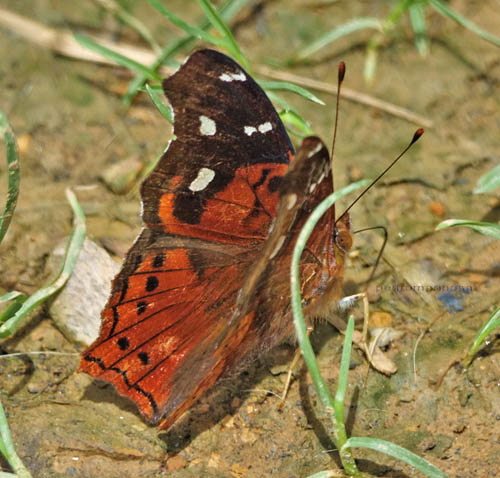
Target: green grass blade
(227,11)
(72,250)
(8,450)
(18,299)
(488,327)
(117,57)
(219,24)
(486,228)
(294,120)
(11,296)
(300,327)
(489,182)
(371,59)
(192,30)
(291,117)
(400,8)
(231,8)
(398,452)
(128,19)
(339,32)
(13,176)
(286,86)
(278,100)
(446,11)
(344,371)
(321,474)
(162,108)
(417,21)
(164,56)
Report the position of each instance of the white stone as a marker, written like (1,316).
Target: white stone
(249,130)
(204,178)
(207,126)
(76,310)
(265,127)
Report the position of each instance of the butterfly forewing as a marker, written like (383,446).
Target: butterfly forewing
(219,178)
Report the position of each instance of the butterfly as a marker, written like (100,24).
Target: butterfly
(204,290)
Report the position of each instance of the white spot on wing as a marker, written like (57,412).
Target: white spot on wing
(315,150)
(239,76)
(265,127)
(204,178)
(249,130)
(312,187)
(233,77)
(292,199)
(281,240)
(207,126)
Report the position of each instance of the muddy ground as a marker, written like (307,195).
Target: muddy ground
(73,128)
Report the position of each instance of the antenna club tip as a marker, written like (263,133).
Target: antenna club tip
(341,71)
(418,133)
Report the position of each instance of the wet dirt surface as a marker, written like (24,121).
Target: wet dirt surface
(73,128)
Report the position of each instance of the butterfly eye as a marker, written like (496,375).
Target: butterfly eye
(343,239)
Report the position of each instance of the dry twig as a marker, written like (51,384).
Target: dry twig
(63,43)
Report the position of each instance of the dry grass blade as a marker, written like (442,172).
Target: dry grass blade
(348,94)
(64,44)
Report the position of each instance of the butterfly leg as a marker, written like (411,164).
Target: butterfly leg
(373,353)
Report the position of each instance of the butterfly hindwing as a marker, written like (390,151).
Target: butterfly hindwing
(169,296)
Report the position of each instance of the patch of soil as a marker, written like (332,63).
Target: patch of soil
(73,129)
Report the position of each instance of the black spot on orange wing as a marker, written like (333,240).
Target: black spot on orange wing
(123,343)
(159,260)
(141,307)
(152,283)
(143,357)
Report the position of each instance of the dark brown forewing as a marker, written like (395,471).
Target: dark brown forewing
(219,178)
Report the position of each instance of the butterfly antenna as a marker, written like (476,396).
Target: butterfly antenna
(380,252)
(415,138)
(340,80)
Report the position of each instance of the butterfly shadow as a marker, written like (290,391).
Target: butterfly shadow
(100,391)
(225,399)
(218,404)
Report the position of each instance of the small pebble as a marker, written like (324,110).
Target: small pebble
(355,173)
(76,310)
(176,463)
(380,319)
(23,143)
(437,208)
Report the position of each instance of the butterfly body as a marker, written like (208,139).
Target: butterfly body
(204,290)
